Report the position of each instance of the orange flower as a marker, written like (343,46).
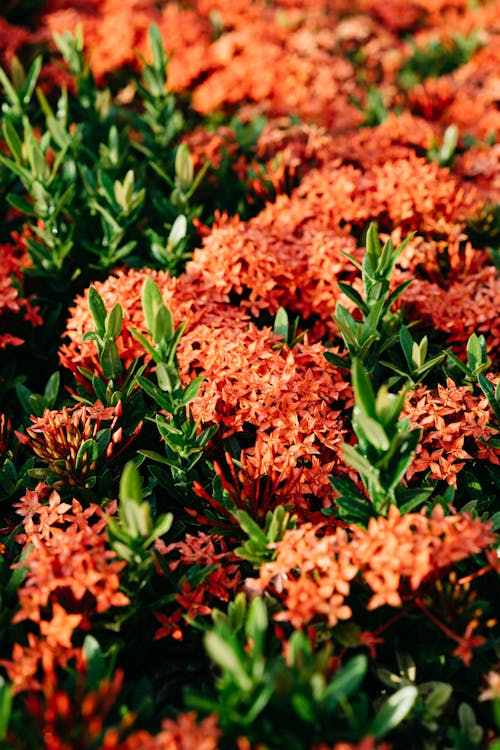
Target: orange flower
(57,437)
(221,582)
(12,301)
(469,305)
(314,573)
(394,556)
(414,548)
(185,732)
(71,576)
(450,418)
(492,690)
(60,628)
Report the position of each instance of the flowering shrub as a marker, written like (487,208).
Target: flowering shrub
(249,389)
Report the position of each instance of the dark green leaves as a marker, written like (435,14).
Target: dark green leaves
(385,447)
(374,330)
(108,327)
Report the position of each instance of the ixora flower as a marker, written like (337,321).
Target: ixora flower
(467,306)
(71,441)
(186,732)
(6,434)
(12,302)
(416,548)
(315,571)
(71,575)
(455,428)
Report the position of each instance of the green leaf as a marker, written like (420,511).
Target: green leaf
(184,167)
(355,296)
(450,140)
(9,89)
(363,391)
(151,302)
(114,320)
(256,625)
(406,341)
(405,445)
(347,326)
(162,525)
(226,657)
(130,483)
(87,454)
(52,388)
(373,250)
(96,664)
(373,431)
(155,393)
(178,231)
(476,351)
(281,324)
(490,393)
(393,711)
(12,140)
(60,136)
(304,707)
(409,499)
(37,404)
(345,682)
(388,407)
(157,48)
(146,345)
(398,291)
(248,525)
(97,310)
(23,174)
(32,78)
(157,457)
(110,360)
(168,378)
(355,459)
(192,389)
(163,325)
(136,517)
(335,359)
(6,699)
(22,204)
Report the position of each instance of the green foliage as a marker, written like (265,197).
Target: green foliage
(385,447)
(36,403)
(108,327)
(374,108)
(444,154)
(377,329)
(96,178)
(416,365)
(184,441)
(477,362)
(92,189)
(483,229)
(256,549)
(133,533)
(438,58)
(292,700)
(286,330)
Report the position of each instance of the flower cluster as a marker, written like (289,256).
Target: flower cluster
(395,557)
(12,300)
(72,575)
(71,441)
(234,209)
(220,579)
(456,428)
